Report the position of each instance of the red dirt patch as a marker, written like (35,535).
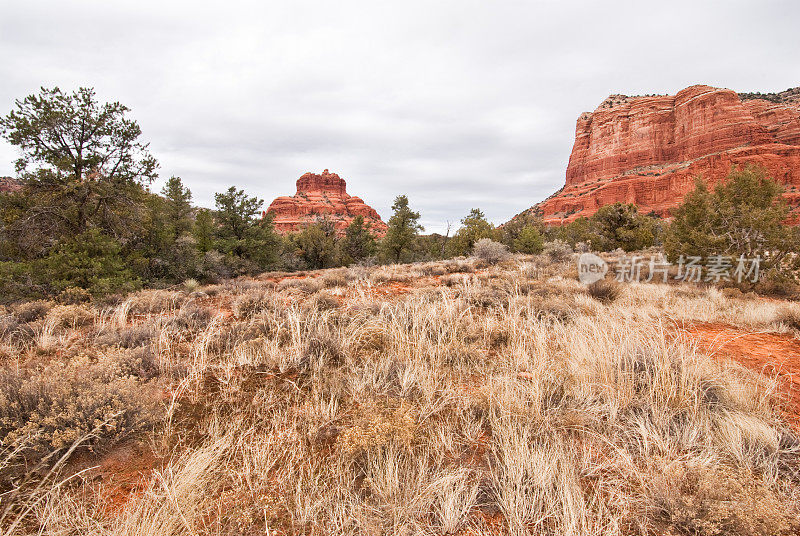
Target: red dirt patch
(776,355)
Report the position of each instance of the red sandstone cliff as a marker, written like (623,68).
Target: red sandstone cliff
(648,150)
(320,196)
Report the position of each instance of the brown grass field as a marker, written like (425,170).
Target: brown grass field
(456,397)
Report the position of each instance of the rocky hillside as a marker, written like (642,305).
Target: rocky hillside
(8,184)
(649,149)
(318,196)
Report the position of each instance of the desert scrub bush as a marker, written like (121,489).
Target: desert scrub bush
(43,411)
(323,301)
(717,500)
(126,337)
(378,425)
(433,269)
(557,251)
(459,266)
(604,290)
(71,316)
(74,296)
(306,285)
(191,285)
(252,302)
(484,297)
(452,280)
(148,302)
(390,276)
(191,318)
(490,251)
(788,316)
(33,310)
(336,278)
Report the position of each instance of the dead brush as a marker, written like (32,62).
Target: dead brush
(30,311)
(149,302)
(463,266)
(433,269)
(788,316)
(305,286)
(71,316)
(605,290)
(252,302)
(336,278)
(718,500)
(323,301)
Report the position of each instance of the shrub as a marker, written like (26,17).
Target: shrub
(148,302)
(604,290)
(324,301)
(73,316)
(335,278)
(74,295)
(30,311)
(252,302)
(529,241)
(130,337)
(305,285)
(788,316)
(462,266)
(192,318)
(191,285)
(45,411)
(719,501)
(557,250)
(490,251)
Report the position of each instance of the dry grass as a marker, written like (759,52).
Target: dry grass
(507,400)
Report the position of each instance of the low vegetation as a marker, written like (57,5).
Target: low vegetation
(469,396)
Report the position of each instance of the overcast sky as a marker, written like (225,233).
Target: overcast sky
(457,104)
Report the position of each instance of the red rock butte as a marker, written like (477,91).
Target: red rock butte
(648,150)
(322,196)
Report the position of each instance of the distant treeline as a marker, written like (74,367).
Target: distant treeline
(86,224)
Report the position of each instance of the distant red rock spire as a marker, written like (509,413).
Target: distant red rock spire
(323,195)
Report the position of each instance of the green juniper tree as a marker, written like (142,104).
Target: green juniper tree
(403,230)
(358,242)
(247,238)
(474,226)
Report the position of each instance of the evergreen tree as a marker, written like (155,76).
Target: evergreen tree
(178,205)
(403,229)
(529,240)
(82,166)
(358,242)
(474,226)
(316,244)
(621,226)
(242,234)
(743,216)
(84,173)
(204,230)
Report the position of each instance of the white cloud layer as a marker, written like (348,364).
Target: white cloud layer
(457,104)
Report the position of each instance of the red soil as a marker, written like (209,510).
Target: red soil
(776,355)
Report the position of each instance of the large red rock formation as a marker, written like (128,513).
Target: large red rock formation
(321,196)
(8,184)
(648,150)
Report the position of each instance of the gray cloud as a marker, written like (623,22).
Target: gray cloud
(458,104)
